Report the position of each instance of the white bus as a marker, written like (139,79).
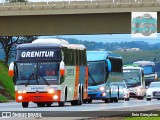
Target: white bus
(134,79)
(149,71)
(50,70)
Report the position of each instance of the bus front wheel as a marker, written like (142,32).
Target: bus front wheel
(126,99)
(41,104)
(148,99)
(25,104)
(107,100)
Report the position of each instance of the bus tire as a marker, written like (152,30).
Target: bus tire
(40,104)
(111,100)
(48,104)
(148,99)
(84,101)
(79,101)
(61,104)
(107,100)
(25,104)
(126,99)
(90,101)
(80,98)
(115,99)
(140,98)
(74,102)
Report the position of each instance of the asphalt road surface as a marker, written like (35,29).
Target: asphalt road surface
(95,109)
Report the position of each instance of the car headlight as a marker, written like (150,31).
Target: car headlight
(102,88)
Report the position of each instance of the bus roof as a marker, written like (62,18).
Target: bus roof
(50,43)
(51,40)
(37,46)
(100,55)
(144,63)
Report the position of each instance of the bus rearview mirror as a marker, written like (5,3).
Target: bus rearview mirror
(11,69)
(109,65)
(62,68)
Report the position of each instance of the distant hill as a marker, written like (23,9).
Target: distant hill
(90,45)
(131,56)
(150,55)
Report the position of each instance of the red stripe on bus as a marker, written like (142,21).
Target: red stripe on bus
(76,84)
(86,84)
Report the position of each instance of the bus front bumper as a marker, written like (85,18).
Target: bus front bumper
(97,95)
(38,97)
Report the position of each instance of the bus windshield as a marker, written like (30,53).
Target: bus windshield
(97,73)
(37,73)
(132,77)
(148,69)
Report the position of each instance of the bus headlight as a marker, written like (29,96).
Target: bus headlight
(104,94)
(19,97)
(55,97)
(102,88)
(50,91)
(21,91)
(138,89)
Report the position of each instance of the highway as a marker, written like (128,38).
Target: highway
(97,105)
(96,109)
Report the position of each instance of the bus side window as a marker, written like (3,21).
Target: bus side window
(15,74)
(142,73)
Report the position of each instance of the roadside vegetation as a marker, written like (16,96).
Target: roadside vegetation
(6,83)
(142,118)
(132,56)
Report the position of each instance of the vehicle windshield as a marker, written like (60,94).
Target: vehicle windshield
(132,77)
(154,85)
(37,73)
(148,69)
(121,85)
(97,73)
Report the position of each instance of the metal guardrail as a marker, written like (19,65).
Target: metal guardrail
(79,4)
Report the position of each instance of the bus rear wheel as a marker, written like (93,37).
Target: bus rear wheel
(79,101)
(25,104)
(140,98)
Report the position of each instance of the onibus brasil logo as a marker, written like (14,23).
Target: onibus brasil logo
(144,24)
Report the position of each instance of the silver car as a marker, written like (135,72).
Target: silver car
(123,92)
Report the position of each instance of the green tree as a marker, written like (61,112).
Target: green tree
(16,0)
(9,43)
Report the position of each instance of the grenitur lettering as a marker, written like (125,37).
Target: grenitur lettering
(37,54)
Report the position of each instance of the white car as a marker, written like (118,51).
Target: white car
(153,91)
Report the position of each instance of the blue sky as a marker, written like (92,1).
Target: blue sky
(111,38)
